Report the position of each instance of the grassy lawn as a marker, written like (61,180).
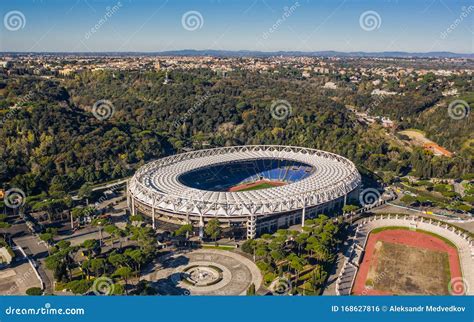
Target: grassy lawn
(429,195)
(402,269)
(263,185)
(412,130)
(218,247)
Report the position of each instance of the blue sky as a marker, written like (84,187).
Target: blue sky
(147,25)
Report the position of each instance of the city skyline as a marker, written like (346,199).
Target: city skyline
(305,26)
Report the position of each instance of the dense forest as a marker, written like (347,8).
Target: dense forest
(52,141)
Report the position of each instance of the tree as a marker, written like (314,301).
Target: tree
(34,291)
(184,230)
(117,289)
(249,246)
(63,244)
(125,273)
(117,260)
(4,225)
(115,232)
(99,223)
(97,265)
(79,286)
(85,191)
(213,229)
(349,208)
(92,246)
(136,219)
(46,237)
(251,289)
(144,287)
(297,263)
(78,212)
(408,200)
(61,262)
(301,240)
(138,258)
(145,237)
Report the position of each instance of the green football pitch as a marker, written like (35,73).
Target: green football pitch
(263,185)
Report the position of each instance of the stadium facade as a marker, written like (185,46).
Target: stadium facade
(258,187)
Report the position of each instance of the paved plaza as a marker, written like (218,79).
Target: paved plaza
(204,272)
(17,278)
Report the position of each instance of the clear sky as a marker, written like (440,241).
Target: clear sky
(265,25)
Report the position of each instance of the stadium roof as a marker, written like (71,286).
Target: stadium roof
(157,183)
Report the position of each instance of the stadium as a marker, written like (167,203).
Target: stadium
(257,188)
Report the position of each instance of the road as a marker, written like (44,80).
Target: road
(101,187)
(36,250)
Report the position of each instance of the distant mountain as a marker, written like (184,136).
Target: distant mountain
(251,53)
(248,53)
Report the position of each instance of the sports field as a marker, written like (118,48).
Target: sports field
(406,262)
(257,185)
